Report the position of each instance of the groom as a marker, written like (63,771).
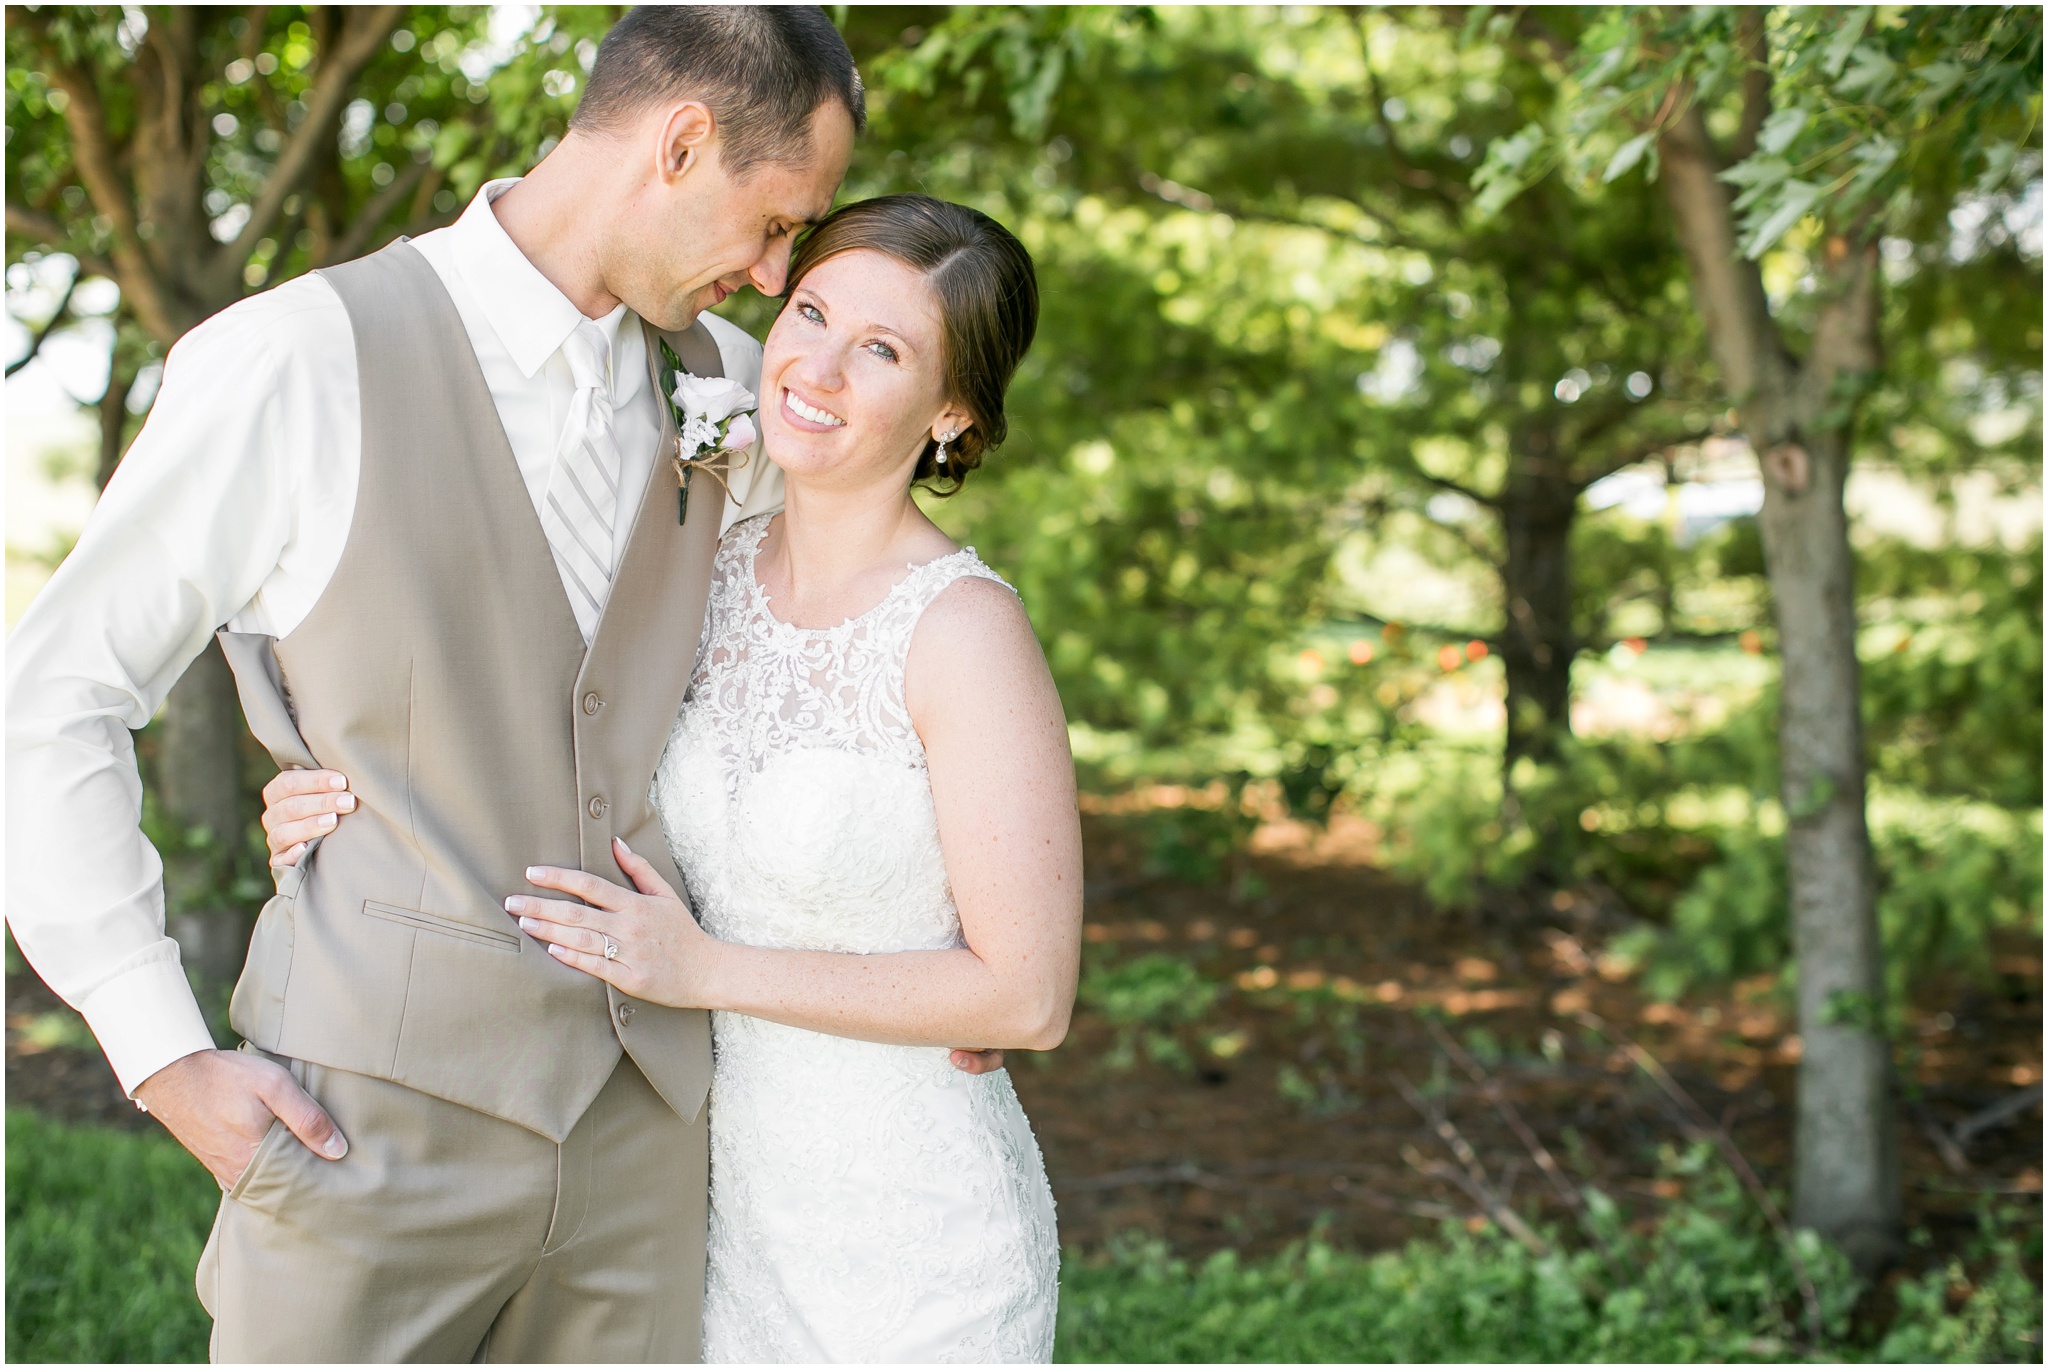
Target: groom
(429,494)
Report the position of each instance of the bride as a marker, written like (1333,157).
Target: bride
(871,799)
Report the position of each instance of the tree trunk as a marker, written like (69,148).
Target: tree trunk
(1538,505)
(1798,417)
(199,782)
(1846,1181)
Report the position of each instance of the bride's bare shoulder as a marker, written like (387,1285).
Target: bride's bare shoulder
(975,641)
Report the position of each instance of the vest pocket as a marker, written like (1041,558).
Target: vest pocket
(427,922)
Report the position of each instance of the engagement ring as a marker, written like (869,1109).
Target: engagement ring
(611,949)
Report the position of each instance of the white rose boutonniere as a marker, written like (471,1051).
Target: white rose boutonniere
(714,417)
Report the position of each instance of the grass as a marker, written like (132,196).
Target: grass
(104,1228)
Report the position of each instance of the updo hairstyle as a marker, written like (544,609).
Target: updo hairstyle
(988,305)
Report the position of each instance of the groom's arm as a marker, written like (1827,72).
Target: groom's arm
(189,532)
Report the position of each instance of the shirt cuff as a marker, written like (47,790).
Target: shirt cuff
(145,1019)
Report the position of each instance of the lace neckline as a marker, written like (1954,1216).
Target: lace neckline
(757,593)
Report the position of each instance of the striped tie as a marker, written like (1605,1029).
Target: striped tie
(583,491)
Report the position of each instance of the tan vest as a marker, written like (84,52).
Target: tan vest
(442,671)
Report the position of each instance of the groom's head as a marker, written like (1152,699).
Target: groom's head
(729,128)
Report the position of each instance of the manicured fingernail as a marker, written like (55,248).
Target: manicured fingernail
(529,924)
(336,1147)
(532,872)
(338,782)
(512,904)
(346,803)
(328,819)
(555,951)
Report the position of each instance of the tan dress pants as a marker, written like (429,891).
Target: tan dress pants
(447,1236)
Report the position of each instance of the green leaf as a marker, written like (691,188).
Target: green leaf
(1780,129)
(1845,40)
(1627,155)
(1871,71)
(1797,198)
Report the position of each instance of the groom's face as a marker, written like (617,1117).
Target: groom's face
(709,232)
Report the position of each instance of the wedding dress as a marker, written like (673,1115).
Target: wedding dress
(868,1202)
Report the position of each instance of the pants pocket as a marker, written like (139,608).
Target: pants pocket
(279,1134)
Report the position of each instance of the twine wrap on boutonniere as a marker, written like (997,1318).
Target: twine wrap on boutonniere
(714,420)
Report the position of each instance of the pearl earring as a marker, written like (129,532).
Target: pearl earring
(942,447)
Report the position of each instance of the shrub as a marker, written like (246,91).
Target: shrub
(1709,1282)
(1146,998)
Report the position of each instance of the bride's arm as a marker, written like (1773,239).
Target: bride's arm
(1003,785)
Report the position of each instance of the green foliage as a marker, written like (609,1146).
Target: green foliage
(1707,1283)
(1193,844)
(1878,117)
(1954,707)
(1945,1316)
(103,1231)
(104,1228)
(1148,999)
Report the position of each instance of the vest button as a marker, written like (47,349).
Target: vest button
(591,703)
(625,1012)
(598,807)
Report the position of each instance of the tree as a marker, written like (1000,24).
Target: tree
(192,155)
(1825,130)
(1487,369)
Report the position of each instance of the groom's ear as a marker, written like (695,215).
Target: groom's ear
(688,135)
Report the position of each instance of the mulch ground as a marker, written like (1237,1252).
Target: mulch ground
(1352,1008)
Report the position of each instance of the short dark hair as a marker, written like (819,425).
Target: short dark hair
(988,304)
(762,69)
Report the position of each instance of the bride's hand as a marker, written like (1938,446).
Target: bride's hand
(644,944)
(300,805)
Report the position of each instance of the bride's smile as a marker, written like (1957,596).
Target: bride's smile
(856,361)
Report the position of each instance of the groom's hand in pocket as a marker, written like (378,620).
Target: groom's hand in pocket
(219,1104)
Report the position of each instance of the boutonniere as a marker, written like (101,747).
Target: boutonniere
(713,417)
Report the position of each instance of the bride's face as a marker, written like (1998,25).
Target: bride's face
(852,377)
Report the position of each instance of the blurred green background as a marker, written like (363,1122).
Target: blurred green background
(1380,497)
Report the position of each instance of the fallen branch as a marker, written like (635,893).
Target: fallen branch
(1731,1154)
(1473,1180)
(1998,1114)
(1937,1135)
(1491,1090)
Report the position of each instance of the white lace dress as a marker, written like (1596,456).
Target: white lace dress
(868,1202)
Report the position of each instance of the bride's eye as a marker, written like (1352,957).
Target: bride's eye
(810,313)
(883,350)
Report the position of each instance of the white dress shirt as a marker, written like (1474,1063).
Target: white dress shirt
(232,507)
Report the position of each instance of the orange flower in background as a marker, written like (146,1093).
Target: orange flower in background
(1475,650)
(1449,657)
(1361,652)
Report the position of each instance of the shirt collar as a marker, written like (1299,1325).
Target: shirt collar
(530,316)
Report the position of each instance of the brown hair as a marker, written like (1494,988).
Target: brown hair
(763,69)
(988,305)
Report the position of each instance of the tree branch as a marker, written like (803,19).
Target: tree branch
(1756,82)
(363,33)
(53,235)
(1728,288)
(1483,500)
(57,316)
(1405,171)
(352,243)
(1642,451)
